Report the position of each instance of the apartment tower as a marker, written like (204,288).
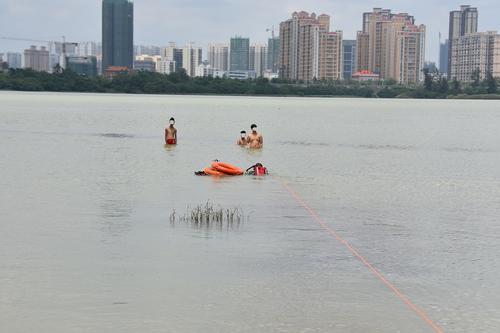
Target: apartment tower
(191,59)
(391,45)
(462,22)
(239,54)
(474,52)
(218,56)
(308,50)
(37,60)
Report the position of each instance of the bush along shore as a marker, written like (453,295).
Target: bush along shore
(434,86)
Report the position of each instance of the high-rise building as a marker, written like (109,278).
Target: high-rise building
(172,54)
(218,56)
(349,59)
(166,66)
(462,22)
(391,45)
(362,51)
(117,33)
(273,54)
(89,49)
(258,59)
(308,50)
(239,54)
(443,57)
(191,59)
(330,56)
(86,66)
(37,60)
(475,52)
(14,59)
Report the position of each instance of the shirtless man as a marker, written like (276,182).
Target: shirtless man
(254,139)
(171,133)
(242,141)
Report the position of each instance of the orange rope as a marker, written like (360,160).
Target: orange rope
(355,252)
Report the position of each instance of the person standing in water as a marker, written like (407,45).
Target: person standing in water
(171,133)
(242,141)
(255,139)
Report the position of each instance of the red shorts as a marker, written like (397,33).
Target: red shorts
(171,142)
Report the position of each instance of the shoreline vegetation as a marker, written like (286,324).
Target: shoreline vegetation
(434,86)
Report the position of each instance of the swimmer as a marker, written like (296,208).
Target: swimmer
(255,139)
(171,133)
(242,141)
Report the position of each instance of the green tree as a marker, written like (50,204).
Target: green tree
(476,77)
(428,80)
(455,86)
(491,83)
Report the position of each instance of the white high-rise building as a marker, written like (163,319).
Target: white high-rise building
(191,59)
(218,56)
(14,59)
(165,66)
(258,59)
(473,52)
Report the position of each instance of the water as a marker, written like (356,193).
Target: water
(87,189)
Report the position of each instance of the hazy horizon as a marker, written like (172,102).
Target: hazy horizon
(159,22)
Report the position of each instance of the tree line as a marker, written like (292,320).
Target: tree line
(435,85)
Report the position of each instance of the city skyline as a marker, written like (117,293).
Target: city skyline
(151,27)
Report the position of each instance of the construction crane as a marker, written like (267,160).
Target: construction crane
(64,44)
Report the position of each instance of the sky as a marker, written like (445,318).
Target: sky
(158,22)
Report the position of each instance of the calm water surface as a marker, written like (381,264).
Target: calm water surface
(87,189)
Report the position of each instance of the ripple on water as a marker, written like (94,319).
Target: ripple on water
(115,135)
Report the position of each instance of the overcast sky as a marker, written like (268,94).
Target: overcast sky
(202,21)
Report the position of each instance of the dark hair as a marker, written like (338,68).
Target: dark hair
(172,119)
(243,132)
(253,126)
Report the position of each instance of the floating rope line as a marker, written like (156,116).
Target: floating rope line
(355,252)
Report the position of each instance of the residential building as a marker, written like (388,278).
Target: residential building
(191,59)
(172,54)
(86,66)
(474,52)
(146,65)
(147,49)
(218,56)
(88,49)
(37,60)
(308,50)
(462,22)
(391,45)
(117,33)
(166,66)
(330,56)
(57,48)
(146,62)
(54,60)
(273,54)
(14,59)
(443,57)
(349,58)
(239,54)
(258,59)
(362,51)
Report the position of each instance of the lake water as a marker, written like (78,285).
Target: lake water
(88,186)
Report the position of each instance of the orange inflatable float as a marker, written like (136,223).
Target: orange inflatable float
(227,168)
(212,172)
